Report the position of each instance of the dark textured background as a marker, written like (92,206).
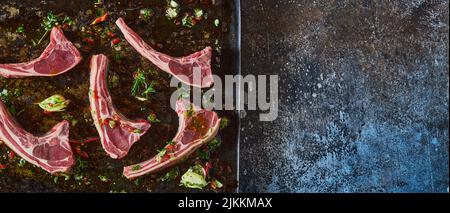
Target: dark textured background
(363,96)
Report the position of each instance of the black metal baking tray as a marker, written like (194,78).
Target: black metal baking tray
(15,47)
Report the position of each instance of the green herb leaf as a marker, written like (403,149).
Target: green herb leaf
(171,175)
(69,21)
(172,13)
(224,122)
(203,154)
(174,4)
(160,155)
(188,21)
(214,144)
(136,167)
(20,29)
(216,22)
(103,178)
(190,111)
(152,118)
(146,13)
(150,89)
(215,184)
(139,81)
(198,12)
(50,21)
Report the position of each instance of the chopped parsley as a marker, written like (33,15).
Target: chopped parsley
(188,21)
(214,144)
(171,175)
(224,122)
(140,88)
(103,178)
(172,10)
(198,13)
(216,22)
(21,29)
(146,14)
(152,118)
(135,167)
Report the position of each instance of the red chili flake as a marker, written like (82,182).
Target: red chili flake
(111,34)
(105,121)
(170,148)
(166,157)
(2,166)
(78,149)
(207,167)
(88,40)
(115,41)
(84,155)
(12,155)
(100,19)
(65,26)
(47,112)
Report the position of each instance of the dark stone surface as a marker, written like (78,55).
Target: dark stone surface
(363,96)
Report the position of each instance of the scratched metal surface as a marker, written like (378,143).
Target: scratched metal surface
(363,92)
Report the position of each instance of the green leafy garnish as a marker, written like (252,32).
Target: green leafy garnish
(198,12)
(152,118)
(203,154)
(174,4)
(214,144)
(150,89)
(55,103)
(48,23)
(194,178)
(161,154)
(20,29)
(171,175)
(22,162)
(4,95)
(103,178)
(172,13)
(188,21)
(146,13)
(216,22)
(172,10)
(190,111)
(112,124)
(69,21)
(139,81)
(224,122)
(140,88)
(215,184)
(136,167)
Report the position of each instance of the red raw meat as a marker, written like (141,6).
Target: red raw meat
(59,57)
(117,133)
(182,68)
(196,128)
(51,151)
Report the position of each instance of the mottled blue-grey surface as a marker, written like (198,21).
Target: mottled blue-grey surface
(363,96)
